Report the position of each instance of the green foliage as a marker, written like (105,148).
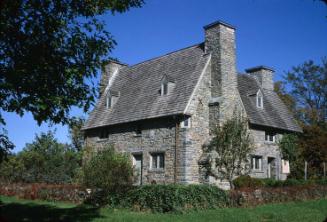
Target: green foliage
(229,149)
(76,134)
(175,198)
(109,171)
(289,147)
(5,144)
(48,49)
(50,52)
(247,181)
(45,160)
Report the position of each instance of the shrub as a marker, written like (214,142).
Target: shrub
(177,198)
(247,181)
(108,171)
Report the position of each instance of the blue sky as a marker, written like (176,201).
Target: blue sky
(275,33)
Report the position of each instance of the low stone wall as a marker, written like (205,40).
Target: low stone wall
(61,192)
(251,197)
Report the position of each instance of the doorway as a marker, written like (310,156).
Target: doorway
(137,164)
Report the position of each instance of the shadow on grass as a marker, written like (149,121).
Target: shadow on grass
(29,212)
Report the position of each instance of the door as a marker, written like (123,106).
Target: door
(137,163)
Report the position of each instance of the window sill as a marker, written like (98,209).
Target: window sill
(159,170)
(102,140)
(257,171)
(270,143)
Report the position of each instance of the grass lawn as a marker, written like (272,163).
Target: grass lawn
(13,209)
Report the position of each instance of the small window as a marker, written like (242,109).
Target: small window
(104,134)
(108,101)
(270,137)
(259,99)
(157,161)
(186,123)
(256,162)
(138,131)
(164,88)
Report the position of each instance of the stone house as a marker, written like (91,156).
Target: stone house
(161,111)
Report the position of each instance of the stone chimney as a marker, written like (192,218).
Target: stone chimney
(264,76)
(109,72)
(220,42)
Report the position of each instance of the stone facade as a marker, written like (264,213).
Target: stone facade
(214,99)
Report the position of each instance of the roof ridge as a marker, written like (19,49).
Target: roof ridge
(161,56)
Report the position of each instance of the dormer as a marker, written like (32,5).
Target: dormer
(167,85)
(259,99)
(111,98)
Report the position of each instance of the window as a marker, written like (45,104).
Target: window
(138,131)
(186,123)
(164,88)
(157,161)
(108,101)
(104,134)
(256,162)
(259,99)
(270,137)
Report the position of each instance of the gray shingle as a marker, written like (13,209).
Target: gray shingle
(274,113)
(139,86)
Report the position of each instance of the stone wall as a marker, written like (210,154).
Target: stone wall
(157,136)
(266,149)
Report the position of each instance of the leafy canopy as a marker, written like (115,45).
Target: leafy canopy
(49,52)
(308,83)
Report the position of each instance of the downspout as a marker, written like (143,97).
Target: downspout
(176,146)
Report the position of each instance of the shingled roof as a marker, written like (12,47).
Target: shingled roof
(274,113)
(139,88)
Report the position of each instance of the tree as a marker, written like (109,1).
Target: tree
(76,134)
(288,100)
(50,51)
(309,89)
(5,145)
(44,160)
(229,150)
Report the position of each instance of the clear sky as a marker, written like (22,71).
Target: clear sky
(275,33)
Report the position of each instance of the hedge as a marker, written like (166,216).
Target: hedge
(249,182)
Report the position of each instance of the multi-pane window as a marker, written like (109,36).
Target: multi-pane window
(157,160)
(270,137)
(256,162)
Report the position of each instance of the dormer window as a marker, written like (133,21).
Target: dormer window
(259,99)
(111,99)
(164,88)
(108,101)
(167,85)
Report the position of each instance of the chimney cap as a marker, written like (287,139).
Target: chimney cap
(257,68)
(218,22)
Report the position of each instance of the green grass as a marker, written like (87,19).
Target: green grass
(13,209)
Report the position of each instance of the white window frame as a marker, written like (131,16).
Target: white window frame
(269,135)
(254,160)
(157,156)
(108,101)
(188,121)
(259,99)
(164,88)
